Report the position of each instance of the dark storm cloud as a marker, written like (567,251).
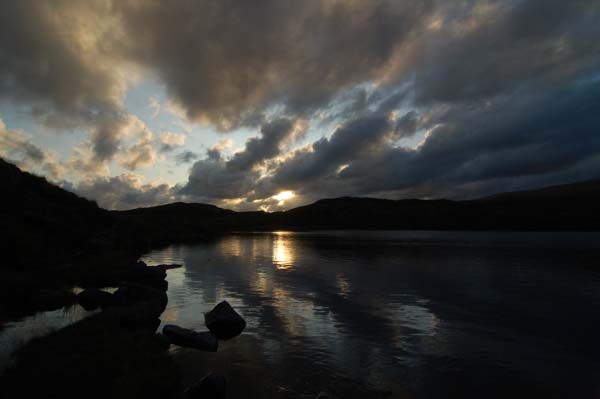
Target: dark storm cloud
(51,63)
(358,138)
(408,124)
(228,61)
(216,177)
(497,47)
(258,149)
(528,135)
(211,178)
(500,93)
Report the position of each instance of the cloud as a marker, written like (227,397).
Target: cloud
(186,157)
(357,138)
(169,141)
(211,179)
(16,146)
(520,137)
(141,154)
(407,125)
(523,141)
(216,177)
(274,135)
(154,106)
(495,93)
(83,163)
(228,62)
(56,62)
(125,191)
(508,45)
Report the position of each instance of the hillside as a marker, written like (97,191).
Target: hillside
(565,207)
(42,224)
(585,191)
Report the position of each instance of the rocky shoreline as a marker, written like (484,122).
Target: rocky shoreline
(118,351)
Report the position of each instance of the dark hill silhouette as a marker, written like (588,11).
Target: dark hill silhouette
(176,221)
(565,207)
(585,191)
(43,224)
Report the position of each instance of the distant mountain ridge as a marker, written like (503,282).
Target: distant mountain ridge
(43,223)
(587,190)
(563,207)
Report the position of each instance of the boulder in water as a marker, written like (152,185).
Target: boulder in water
(224,321)
(204,341)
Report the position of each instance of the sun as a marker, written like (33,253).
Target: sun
(284,195)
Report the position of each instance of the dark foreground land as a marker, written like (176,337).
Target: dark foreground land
(114,353)
(52,240)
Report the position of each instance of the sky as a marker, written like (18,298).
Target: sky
(273,104)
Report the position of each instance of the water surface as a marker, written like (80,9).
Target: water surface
(407,314)
(17,333)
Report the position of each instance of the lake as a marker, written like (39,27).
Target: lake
(395,314)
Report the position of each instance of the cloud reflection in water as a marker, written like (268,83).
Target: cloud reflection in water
(376,312)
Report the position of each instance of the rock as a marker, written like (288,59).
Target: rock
(130,293)
(162,285)
(92,298)
(205,341)
(139,266)
(168,266)
(163,341)
(148,301)
(151,276)
(143,316)
(139,307)
(224,322)
(211,386)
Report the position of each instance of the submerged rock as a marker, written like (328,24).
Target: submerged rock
(205,340)
(224,321)
(93,298)
(211,386)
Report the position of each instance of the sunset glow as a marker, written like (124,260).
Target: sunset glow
(284,195)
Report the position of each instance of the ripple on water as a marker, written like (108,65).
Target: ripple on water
(417,312)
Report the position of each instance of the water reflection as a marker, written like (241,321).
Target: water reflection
(283,250)
(16,334)
(360,314)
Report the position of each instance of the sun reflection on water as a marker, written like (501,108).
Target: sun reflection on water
(283,250)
